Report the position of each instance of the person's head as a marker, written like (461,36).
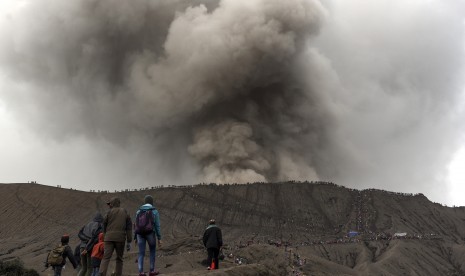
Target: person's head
(114,202)
(65,239)
(98,217)
(212,221)
(148,199)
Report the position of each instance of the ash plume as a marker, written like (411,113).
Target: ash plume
(241,91)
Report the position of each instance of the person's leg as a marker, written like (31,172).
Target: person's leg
(94,271)
(83,270)
(216,253)
(107,252)
(89,264)
(210,256)
(119,248)
(140,257)
(57,270)
(152,246)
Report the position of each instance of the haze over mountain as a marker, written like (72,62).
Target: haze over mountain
(313,219)
(115,95)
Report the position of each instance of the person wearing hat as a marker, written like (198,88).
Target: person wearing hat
(213,241)
(67,253)
(117,229)
(147,235)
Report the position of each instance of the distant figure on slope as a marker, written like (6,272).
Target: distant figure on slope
(57,257)
(89,237)
(117,227)
(147,226)
(97,255)
(213,241)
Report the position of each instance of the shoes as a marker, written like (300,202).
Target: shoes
(153,273)
(142,274)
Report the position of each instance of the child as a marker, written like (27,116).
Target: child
(57,257)
(97,255)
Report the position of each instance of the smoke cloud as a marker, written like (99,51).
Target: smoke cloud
(362,94)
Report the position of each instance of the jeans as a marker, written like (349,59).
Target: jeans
(141,242)
(95,271)
(57,270)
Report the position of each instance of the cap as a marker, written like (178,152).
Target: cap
(65,239)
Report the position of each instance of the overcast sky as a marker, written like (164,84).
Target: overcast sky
(105,96)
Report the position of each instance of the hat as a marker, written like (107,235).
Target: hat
(148,199)
(65,239)
(212,221)
(114,202)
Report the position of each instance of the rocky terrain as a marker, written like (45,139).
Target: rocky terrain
(269,229)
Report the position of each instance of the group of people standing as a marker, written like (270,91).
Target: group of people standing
(114,233)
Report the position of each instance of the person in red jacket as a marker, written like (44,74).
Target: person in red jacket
(97,255)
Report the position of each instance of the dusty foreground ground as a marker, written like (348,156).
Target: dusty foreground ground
(400,257)
(269,229)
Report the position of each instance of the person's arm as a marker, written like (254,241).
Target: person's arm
(220,238)
(134,227)
(156,222)
(205,238)
(70,255)
(128,228)
(90,244)
(105,222)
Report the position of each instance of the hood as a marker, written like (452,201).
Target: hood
(147,207)
(114,202)
(98,217)
(100,237)
(211,226)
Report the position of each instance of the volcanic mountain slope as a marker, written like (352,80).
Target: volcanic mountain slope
(271,229)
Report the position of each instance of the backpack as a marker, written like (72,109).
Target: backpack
(55,257)
(144,222)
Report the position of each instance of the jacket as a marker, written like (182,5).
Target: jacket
(156,218)
(117,224)
(97,251)
(212,237)
(89,232)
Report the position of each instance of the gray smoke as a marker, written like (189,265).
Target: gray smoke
(243,91)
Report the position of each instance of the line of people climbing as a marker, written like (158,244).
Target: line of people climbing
(114,233)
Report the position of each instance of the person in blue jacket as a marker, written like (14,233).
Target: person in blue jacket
(143,237)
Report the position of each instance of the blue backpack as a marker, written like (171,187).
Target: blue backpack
(144,222)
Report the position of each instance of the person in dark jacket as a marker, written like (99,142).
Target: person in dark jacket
(213,241)
(117,227)
(67,253)
(89,236)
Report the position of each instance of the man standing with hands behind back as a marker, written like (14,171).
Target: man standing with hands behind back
(117,227)
(213,241)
